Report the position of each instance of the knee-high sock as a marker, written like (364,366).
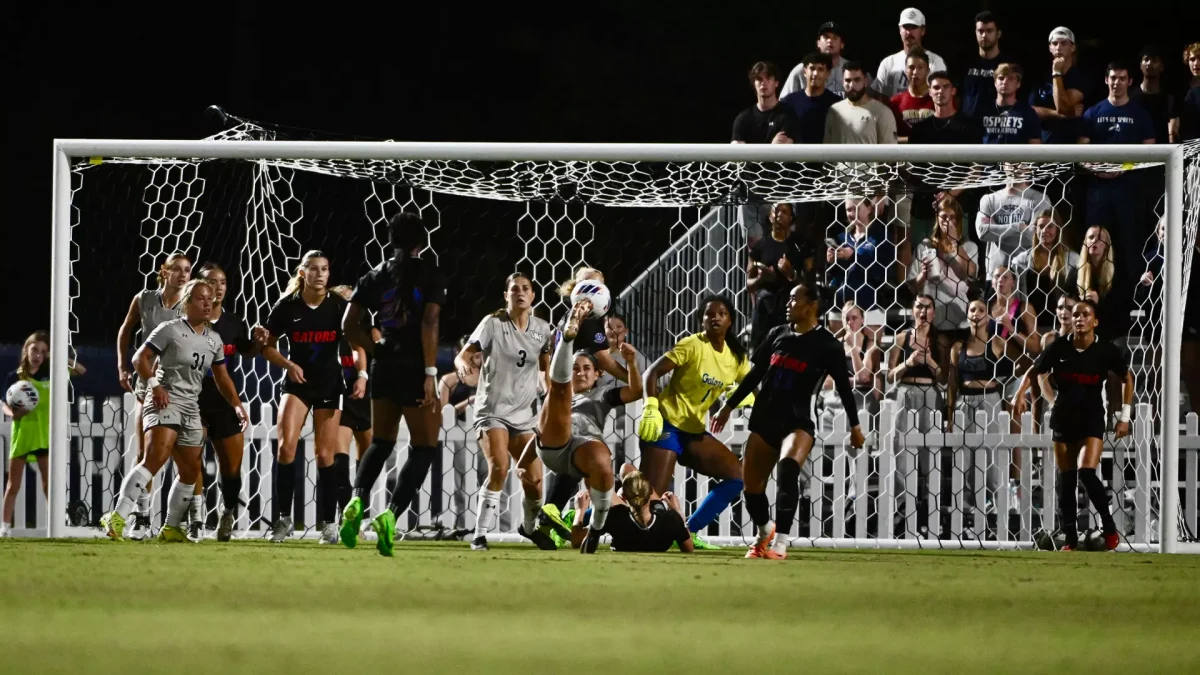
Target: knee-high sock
(371,465)
(341,470)
(787,496)
(488,510)
(178,501)
(326,494)
(133,491)
(759,509)
(1099,496)
(717,500)
(285,489)
(563,361)
(231,490)
(197,511)
(531,506)
(1068,483)
(412,475)
(601,503)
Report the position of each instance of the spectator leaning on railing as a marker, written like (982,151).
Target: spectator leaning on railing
(830,41)
(979,82)
(892,76)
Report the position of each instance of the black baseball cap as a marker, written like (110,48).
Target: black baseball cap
(830,27)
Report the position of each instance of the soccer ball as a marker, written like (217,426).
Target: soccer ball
(594,291)
(22,396)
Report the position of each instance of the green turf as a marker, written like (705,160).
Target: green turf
(102,607)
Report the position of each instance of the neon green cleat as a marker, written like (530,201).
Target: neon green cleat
(113,525)
(385,530)
(568,516)
(702,545)
(172,535)
(351,522)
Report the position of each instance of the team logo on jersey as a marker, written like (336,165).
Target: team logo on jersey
(212,344)
(538,337)
(599,338)
(711,381)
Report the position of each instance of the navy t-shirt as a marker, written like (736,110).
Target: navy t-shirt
(1060,130)
(1189,116)
(979,86)
(1017,123)
(1108,124)
(810,114)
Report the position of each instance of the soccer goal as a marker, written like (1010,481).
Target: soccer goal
(670,225)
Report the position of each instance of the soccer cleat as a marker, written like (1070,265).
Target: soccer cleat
(762,546)
(590,542)
(384,526)
(1112,541)
(172,535)
(479,544)
(351,522)
(225,525)
(282,529)
(779,549)
(701,545)
(5,531)
(552,519)
(139,527)
(195,532)
(538,537)
(329,534)
(114,525)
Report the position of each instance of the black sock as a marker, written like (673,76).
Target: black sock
(412,475)
(787,495)
(759,509)
(285,489)
(231,488)
(341,475)
(1099,496)
(1068,484)
(562,490)
(371,465)
(326,494)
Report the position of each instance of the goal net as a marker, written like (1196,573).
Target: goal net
(945,464)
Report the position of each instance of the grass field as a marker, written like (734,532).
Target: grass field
(103,607)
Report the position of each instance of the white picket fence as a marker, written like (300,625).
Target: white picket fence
(847,490)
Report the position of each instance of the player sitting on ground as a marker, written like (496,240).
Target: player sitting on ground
(186,348)
(571,426)
(640,521)
(792,364)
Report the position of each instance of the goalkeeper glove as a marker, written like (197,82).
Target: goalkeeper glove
(651,426)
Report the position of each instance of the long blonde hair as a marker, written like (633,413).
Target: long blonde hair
(1057,258)
(580,274)
(1083,278)
(636,492)
(24,369)
(165,270)
(296,283)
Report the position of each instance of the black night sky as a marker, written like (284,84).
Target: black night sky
(601,72)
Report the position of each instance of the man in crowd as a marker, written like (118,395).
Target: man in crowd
(859,118)
(811,104)
(979,86)
(913,104)
(766,121)
(1008,120)
(892,77)
(1059,102)
(1150,95)
(830,41)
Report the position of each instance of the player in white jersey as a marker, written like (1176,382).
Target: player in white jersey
(571,428)
(185,349)
(148,309)
(515,346)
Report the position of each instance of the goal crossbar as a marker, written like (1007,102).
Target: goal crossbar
(65,150)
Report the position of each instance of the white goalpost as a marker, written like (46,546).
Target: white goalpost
(942,485)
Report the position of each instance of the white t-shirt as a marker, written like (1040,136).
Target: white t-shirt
(797,82)
(870,123)
(1001,215)
(891,78)
(948,290)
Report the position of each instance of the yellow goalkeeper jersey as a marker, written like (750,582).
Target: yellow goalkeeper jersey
(701,374)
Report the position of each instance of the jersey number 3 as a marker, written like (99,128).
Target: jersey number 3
(199,361)
(523,355)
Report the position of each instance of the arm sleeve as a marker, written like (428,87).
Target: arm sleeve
(276,318)
(433,285)
(612,397)
(684,351)
(160,338)
(748,384)
(841,380)
(1046,361)
(483,334)
(218,349)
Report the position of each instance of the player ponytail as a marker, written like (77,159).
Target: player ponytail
(406,232)
(636,492)
(165,271)
(296,283)
(581,274)
(731,336)
(25,369)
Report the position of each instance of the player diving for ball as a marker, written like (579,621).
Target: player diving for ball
(185,348)
(791,364)
(571,424)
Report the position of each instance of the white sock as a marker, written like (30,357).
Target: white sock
(133,492)
(532,508)
(601,503)
(781,539)
(197,514)
(488,510)
(563,361)
(764,530)
(178,501)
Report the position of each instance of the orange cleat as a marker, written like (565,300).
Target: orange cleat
(1112,541)
(762,547)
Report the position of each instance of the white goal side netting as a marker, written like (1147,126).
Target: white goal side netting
(941,468)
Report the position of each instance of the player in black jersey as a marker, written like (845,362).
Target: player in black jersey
(640,521)
(792,364)
(310,318)
(1079,366)
(222,427)
(406,293)
(356,405)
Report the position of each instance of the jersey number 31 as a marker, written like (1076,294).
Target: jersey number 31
(199,361)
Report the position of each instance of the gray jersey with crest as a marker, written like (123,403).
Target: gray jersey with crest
(184,357)
(152,311)
(590,409)
(508,382)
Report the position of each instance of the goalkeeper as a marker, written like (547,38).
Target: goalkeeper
(672,427)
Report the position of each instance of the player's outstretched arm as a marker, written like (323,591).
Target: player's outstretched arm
(608,364)
(633,391)
(124,336)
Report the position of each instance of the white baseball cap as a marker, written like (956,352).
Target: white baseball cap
(912,17)
(1062,33)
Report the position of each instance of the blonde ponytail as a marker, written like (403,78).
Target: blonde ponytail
(636,492)
(582,273)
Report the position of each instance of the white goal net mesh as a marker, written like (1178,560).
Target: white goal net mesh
(945,464)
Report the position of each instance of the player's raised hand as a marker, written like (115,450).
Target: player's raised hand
(260,335)
(295,372)
(628,352)
(672,501)
(651,426)
(582,501)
